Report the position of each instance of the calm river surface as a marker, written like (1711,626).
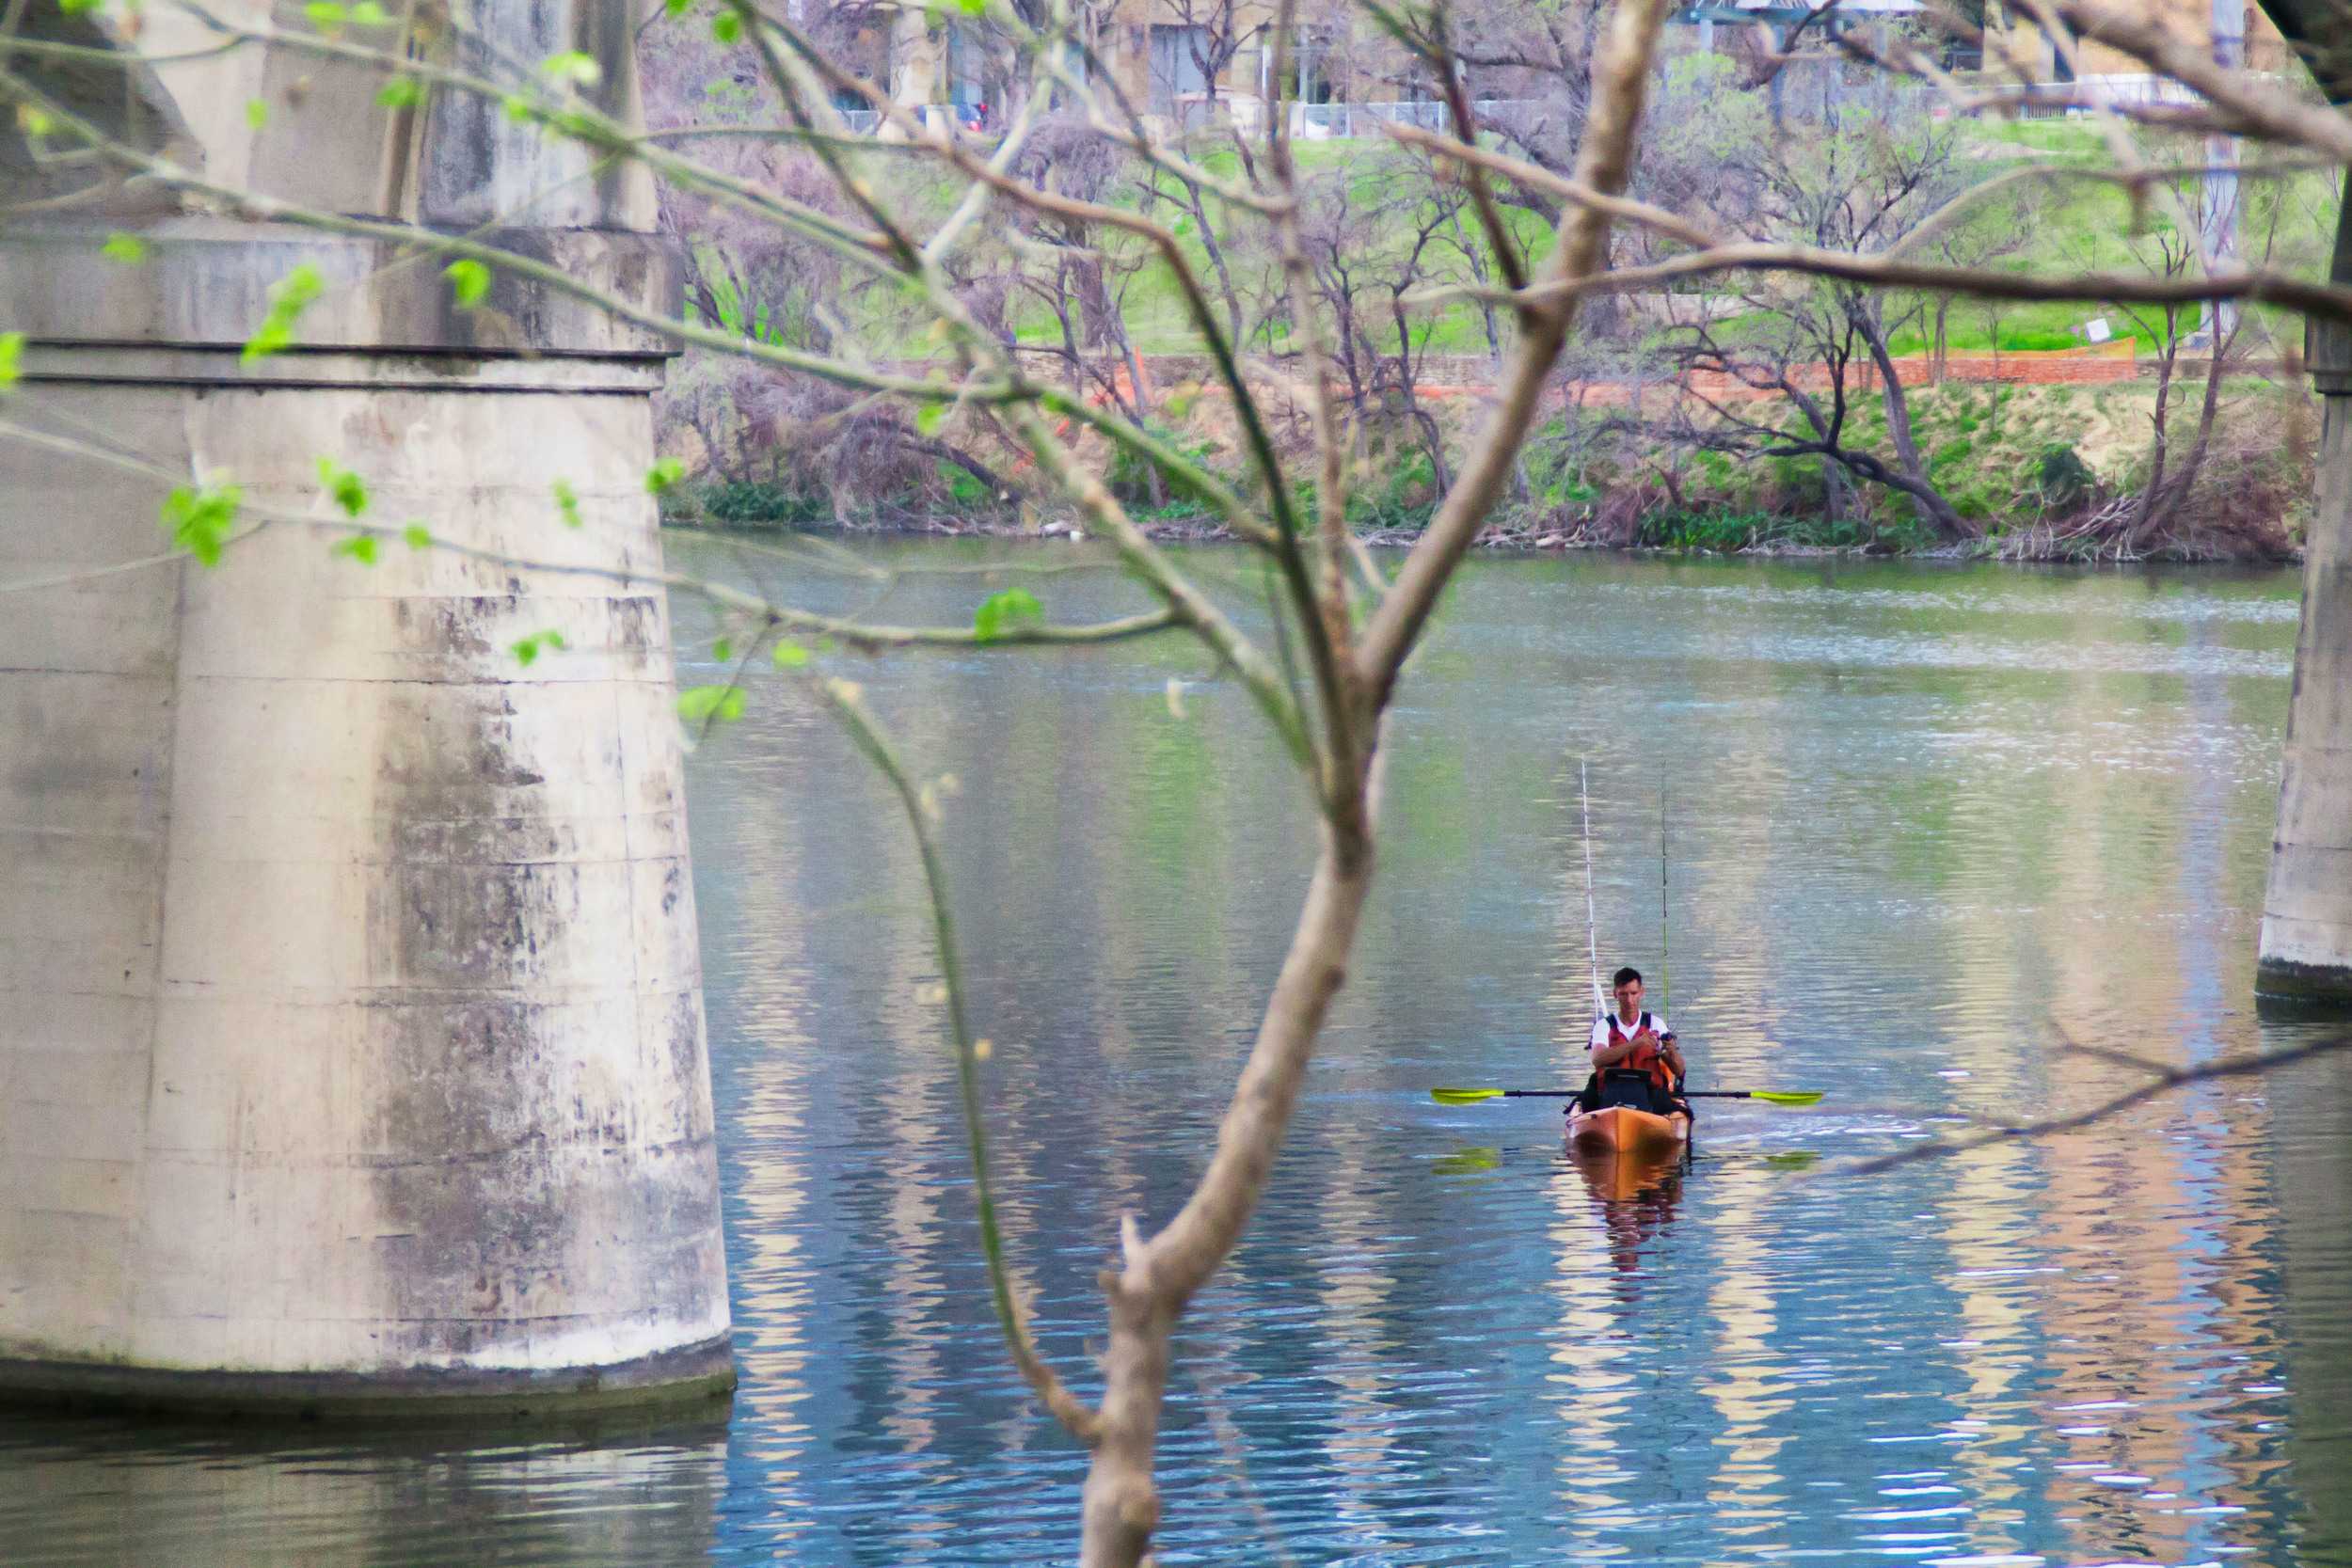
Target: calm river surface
(1925,825)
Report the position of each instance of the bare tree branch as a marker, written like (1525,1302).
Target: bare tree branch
(1603,162)
(2164,1081)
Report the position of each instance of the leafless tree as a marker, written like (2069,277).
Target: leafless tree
(1853,181)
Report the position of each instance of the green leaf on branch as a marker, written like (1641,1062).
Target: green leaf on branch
(129,249)
(401,93)
(929,417)
(367,13)
(1002,613)
(256,113)
(291,296)
(34,121)
(468,279)
(349,490)
(416,536)
(527,649)
(200,518)
(663,476)
(327,16)
(360,547)
(702,705)
(722,650)
(567,502)
(518,108)
(973,8)
(677,7)
(574,66)
(75,8)
(789,656)
(727,27)
(12,358)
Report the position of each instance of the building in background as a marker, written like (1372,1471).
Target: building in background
(1186,64)
(2237,35)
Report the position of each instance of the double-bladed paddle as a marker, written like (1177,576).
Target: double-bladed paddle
(1770,1096)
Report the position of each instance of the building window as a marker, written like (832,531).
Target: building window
(1176,72)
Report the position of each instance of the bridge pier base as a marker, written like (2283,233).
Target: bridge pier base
(2306,953)
(351,1038)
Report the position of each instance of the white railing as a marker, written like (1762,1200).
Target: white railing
(1339,121)
(2125,90)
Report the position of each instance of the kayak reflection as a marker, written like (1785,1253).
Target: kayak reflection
(1636,1191)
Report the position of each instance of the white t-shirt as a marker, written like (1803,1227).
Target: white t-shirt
(1601,1028)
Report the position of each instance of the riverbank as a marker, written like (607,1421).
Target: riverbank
(2070,544)
(2063,472)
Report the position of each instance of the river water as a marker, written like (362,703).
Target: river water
(1926,829)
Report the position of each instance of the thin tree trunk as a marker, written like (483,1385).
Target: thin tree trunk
(1834,480)
(1098,315)
(1158,1276)
(2143,518)
(1430,438)
(2208,412)
(1064,312)
(1215,253)
(1121,1505)
(1938,511)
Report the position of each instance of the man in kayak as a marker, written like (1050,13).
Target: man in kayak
(1629,1040)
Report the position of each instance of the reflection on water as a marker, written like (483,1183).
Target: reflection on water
(1925,828)
(111,1490)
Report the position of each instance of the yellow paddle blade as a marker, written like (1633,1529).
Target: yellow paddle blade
(1464,1097)
(1791,1096)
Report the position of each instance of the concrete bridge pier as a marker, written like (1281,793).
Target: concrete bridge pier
(352,1052)
(2306,907)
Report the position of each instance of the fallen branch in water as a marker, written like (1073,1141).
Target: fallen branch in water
(2162,1080)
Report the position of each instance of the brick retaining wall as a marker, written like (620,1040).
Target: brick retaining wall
(1443,378)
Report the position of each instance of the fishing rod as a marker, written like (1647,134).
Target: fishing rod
(1592,926)
(1665,990)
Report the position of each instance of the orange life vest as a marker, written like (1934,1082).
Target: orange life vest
(1648,1057)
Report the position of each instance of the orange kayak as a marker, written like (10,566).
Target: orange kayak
(1623,1130)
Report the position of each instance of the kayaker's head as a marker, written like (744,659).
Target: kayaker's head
(1629,989)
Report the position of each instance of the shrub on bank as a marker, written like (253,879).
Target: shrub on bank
(758,502)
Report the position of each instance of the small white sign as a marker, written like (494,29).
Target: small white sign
(2097,330)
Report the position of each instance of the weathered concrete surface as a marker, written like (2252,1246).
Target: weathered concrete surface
(351,1040)
(2307,906)
(352,1019)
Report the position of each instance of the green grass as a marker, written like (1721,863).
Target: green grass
(2077,225)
